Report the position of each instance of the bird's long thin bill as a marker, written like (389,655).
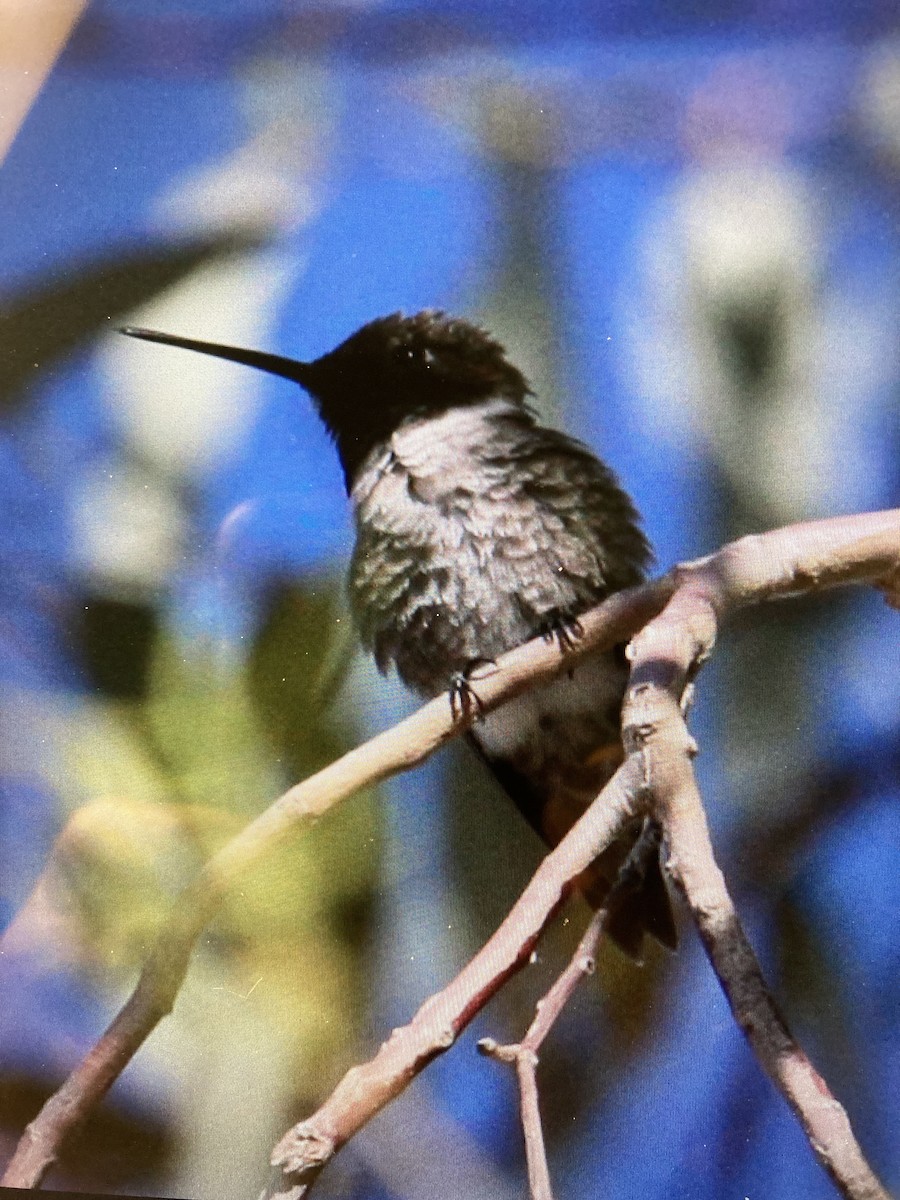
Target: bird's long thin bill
(289,368)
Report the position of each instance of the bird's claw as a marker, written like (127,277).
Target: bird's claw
(564,630)
(465,703)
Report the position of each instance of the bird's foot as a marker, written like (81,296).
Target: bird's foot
(465,702)
(563,629)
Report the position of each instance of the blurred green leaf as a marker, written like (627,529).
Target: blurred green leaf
(60,311)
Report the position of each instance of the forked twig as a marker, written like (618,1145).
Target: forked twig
(782,563)
(664,657)
(798,559)
(524,1055)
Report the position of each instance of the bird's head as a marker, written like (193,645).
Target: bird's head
(390,370)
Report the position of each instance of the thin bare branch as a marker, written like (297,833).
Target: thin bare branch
(305,1150)
(801,558)
(398,749)
(664,656)
(524,1055)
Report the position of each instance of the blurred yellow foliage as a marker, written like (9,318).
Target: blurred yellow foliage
(172,778)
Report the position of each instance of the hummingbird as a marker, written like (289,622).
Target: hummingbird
(479,528)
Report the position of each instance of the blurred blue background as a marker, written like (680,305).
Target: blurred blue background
(682,222)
